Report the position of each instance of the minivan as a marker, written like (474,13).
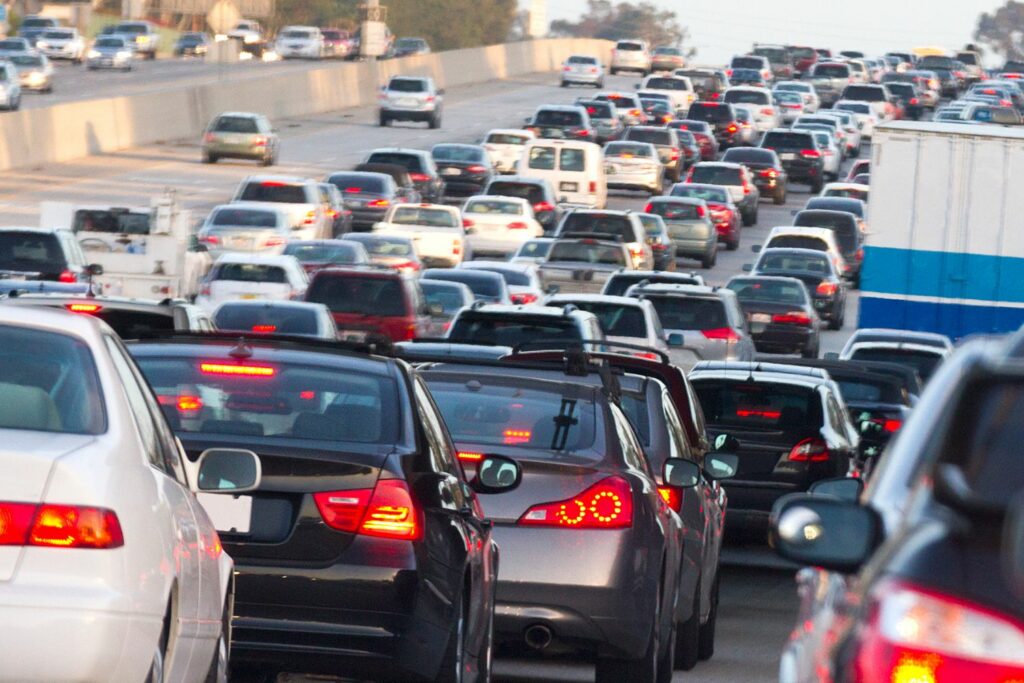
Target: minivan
(574,169)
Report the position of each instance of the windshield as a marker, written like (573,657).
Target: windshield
(551,422)
(276,192)
(417,215)
(925,362)
(587,251)
(362,294)
(48,383)
(111,221)
(772,291)
(760,405)
(244,218)
(407,85)
(303,402)
(266,319)
(689,312)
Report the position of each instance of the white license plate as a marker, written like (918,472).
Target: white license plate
(249,297)
(352,335)
(407,102)
(230,514)
(788,156)
(568,187)
(451,171)
(760,318)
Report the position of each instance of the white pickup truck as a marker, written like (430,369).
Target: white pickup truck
(146,252)
(436,231)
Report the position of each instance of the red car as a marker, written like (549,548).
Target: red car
(368,304)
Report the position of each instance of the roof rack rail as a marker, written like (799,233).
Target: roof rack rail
(377,347)
(759,366)
(542,346)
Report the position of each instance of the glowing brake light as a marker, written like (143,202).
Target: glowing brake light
(810,153)
(67,276)
(517,225)
(754,412)
(386,511)
(809,450)
(721,333)
(826,288)
(378,203)
(517,436)
(607,504)
(468,456)
(792,318)
(543,206)
(231,370)
(264,329)
(671,496)
(419,177)
(59,526)
(477,168)
(524,298)
(83,308)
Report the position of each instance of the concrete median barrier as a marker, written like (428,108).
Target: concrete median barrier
(73,130)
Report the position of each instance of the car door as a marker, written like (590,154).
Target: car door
(179,527)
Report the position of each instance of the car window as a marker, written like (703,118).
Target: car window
(249,272)
(493,206)
(747,97)
(235,124)
(274,191)
(629,46)
(507,139)
(27,251)
(417,215)
(384,246)
(709,194)
(534,249)
(793,262)
(557,117)
(248,218)
(612,225)
(924,362)
(577,59)
(780,291)
(781,140)
(457,153)
(352,293)
(266,319)
(759,405)
(632,452)
(709,112)
(626,149)
(831,71)
(497,330)
(716,175)
(438,445)
(409,85)
(449,298)
(531,192)
(541,158)
(653,136)
(689,312)
(570,159)
(676,212)
(411,162)
(617,320)
(797,242)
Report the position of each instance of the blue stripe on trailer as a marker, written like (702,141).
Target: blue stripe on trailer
(952,319)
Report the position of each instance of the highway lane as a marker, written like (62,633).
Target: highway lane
(758,604)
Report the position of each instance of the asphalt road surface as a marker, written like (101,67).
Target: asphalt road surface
(758,602)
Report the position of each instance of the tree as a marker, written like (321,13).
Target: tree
(624,20)
(452,24)
(1003,30)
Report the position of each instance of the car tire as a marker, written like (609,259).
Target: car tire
(836,323)
(747,219)
(384,120)
(454,661)
(269,160)
(688,637)
(435,122)
(209,158)
(816,186)
(565,84)
(667,655)
(156,668)
(779,198)
(733,245)
(600,84)
(485,658)
(219,671)
(613,71)
(810,351)
(709,260)
(706,639)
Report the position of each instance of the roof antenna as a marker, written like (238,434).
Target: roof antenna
(241,350)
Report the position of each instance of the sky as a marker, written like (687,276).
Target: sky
(720,28)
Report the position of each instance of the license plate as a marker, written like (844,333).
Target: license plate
(230,514)
(760,318)
(407,102)
(248,297)
(451,171)
(788,156)
(611,169)
(568,187)
(352,335)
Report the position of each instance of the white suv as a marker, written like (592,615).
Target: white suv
(631,55)
(411,98)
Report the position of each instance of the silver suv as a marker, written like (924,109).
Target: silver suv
(411,98)
(631,55)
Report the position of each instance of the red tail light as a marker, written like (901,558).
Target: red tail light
(378,203)
(892,425)
(826,288)
(566,68)
(274,241)
(767,111)
(310,217)
(914,100)
(467,456)
(467,223)
(235,370)
(592,187)
(83,308)
(353,190)
(209,239)
(259,141)
(860,255)
(386,511)
(810,154)
(658,246)
(634,112)
(647,209)
(723,333)
(477,168)
(406,266)
(209,137)
(59,526)
(674,154)
(543,206)
(746,187)
(607,504)
(768,173)
(728,72)
(67,276)
(792,318)
(419,177)
(809,450)
(456,248)
(714,96)
(517,225)
(732,128)
(701,212)
(916,634)
(524,298)
(672,497)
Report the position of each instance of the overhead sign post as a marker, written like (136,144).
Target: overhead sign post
(373,31)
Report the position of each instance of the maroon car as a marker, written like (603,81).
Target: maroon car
(703,133)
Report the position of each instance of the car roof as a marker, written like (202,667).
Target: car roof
(257,259)
(526,180)
(562,299)
(397,150)
(53,320)
(881,334)
(271,177)
(758,371)
(826,234)
(796,250)
(297,305)
(417,350)
(487,265)
(241,114)
(676,289)
(848,186)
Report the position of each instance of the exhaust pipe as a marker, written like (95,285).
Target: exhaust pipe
(538,637)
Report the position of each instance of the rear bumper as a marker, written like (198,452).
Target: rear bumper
(365,218)
(695,247)
(463,188)
(408,114)
(784,337)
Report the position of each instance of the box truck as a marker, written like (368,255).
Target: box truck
(945,251)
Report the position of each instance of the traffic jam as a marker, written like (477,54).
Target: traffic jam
(474,407)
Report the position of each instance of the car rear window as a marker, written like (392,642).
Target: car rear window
(746,63)
(599,110)
(511,276)
(557,117)
(617,320)
(493,206)
(843,225)
(709,112)
(353,293)
(625,149)
(383,246)
(497,329)
(458,153)
(586,251)
(658,83)
(407,85)
(904,90)
(740,155)
(628,46)
(855,107)
(507,139)
(483,284)
(759,405)
(654,136)
(338,253)
(924,362)
(529,191)
(803,52)
(831,71)
(543,158)
(865,93)
(265,319)
(867,390)
(248,218)
(274,191)
(418,215)
(708,194)
(357,183)
(556,423)
(129,324)
(292,401)
(746,75)
(249,272)
(778,291)
(776,55)
(782,140)
(797,242)
(716,175)
(598,223)
(236,124)
(445,295)
(410,162)
(48,383)
(58,35)
(534,249)
(810,263)
(689,312)
(31,251)
(676,211)
(577,59)
(747,97)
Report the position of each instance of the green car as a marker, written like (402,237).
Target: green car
(240,135)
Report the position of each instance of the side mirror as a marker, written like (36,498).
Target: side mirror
(756,248)
(824,532)
(1013,546)
(497,474)
(953,489)
(675,339)
(721,465)
(843,488)
(725,443)
(831,355)
(440,91)
(228,470)
(552,289)
(527,120)
(748,267)
(636,86)
(681,473)
(94,269)
(563,200)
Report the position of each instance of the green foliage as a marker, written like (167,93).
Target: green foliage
(313,13)
(452,24)
(609,21)
(1003,30)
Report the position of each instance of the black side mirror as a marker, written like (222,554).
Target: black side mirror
(497,474)
(681,473)
(756,248)
(843,488)
(822,531)
(748,267)
(94,269)
(726,443)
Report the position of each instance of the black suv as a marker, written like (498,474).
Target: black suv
(421,167)
(800,156)
(367,551)
(923,579)
(769,174)
(41,254)
(847,229)
(537,191)
(722,119)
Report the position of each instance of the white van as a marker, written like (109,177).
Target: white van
(574,169)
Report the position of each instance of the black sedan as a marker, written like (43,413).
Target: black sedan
(466,169)
(816,270)
(780,314)
(364,549)
(769,174)
(369,195)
